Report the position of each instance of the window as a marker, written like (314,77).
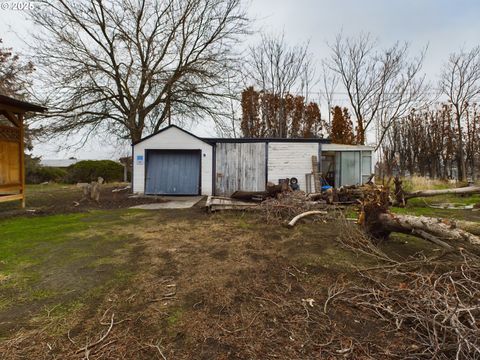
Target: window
(366,166)
(350,167)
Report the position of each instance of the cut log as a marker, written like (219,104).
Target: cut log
(469,226)
(417,225)
(305,214)
(271,191)
(249,195)
(457,191)
(91,191)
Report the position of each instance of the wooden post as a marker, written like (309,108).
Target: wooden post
(22,158)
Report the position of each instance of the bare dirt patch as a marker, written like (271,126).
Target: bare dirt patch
(222,286)
(63,199)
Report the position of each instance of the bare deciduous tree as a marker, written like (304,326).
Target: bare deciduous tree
(126,66)
(14,73)
(330,83)
(279,69)
(382,85)
(460,82)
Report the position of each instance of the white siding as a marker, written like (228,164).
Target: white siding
(288,159)
(172,139)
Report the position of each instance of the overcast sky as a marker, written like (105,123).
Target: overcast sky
(444,25)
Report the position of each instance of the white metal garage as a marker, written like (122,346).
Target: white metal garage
(176,162)
(169,161)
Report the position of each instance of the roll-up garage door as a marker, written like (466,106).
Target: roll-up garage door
(173,172)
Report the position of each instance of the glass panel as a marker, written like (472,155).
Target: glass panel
(328,169)
(338,170)
(366,164)
(350,168)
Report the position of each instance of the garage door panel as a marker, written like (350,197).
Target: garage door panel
(173,172)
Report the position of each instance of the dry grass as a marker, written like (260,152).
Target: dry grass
(414,183)
(222,286)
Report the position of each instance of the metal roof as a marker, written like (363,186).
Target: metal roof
(345,147)
(20,105)
(237,140)
(256,140)
(58,162)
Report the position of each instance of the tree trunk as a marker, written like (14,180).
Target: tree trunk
(457,191)
(427,228)
(399,193)
(462,171)
(469,226)
(360,131)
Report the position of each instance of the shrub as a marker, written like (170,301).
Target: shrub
(44,174)
(91,170)
(36,173)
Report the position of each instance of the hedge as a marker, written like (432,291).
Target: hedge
(41,174)
(91,170)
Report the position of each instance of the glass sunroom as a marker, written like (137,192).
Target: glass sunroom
(346,164)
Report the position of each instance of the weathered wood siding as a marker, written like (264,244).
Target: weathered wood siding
(173,139)
(288,159)
(240,166)
(10,163)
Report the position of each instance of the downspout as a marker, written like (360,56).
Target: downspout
(133,165)
(214,168)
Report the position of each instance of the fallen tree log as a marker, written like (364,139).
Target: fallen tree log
(401,197)
(272,190)
(443,230)
(456,191)
(305,214)
(249,195)
(379,223)
(469,226)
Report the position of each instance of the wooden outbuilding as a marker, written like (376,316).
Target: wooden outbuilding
(12,142)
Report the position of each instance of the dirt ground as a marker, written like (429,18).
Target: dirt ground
(178,284)
(62,198)
(115,283)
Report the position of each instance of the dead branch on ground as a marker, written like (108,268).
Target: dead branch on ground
(87,348)
(306,214)
(438,312)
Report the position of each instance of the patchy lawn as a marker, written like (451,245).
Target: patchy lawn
(56,262)
(428,207)
(222,286)
(182,283)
